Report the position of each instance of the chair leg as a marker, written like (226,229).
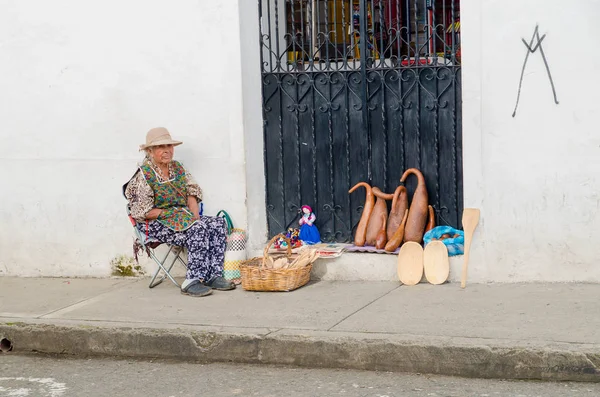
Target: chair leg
(175,251)
(180,259)
(159,263)
(162,267)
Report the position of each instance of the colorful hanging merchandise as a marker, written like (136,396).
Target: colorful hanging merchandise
(309,234)
(235,253)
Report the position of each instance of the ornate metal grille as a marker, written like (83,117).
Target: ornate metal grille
(338,109)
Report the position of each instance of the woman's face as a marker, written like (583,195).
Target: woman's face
(162,154)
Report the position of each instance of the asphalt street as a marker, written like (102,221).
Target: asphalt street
(42,376)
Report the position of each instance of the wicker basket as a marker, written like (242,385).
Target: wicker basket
(256,277)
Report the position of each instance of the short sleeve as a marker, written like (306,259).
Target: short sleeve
(192,187)
(140,197)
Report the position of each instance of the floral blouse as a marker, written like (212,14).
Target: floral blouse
(141,196)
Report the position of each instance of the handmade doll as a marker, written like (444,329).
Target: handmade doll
(293,235)
(309,233)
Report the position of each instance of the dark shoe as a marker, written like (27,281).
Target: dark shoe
(220,284)
(196,288)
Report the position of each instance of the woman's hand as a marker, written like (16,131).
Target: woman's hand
(192,203)
(154,213)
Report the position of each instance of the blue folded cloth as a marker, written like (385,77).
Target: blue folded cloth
(456,246)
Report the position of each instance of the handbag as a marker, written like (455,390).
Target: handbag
(235,253)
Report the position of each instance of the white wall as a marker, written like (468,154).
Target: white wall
(536,177)
(80,84)
(253,127)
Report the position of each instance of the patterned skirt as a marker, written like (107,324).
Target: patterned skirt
(205,242)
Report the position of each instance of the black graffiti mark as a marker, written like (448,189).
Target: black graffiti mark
(536,35)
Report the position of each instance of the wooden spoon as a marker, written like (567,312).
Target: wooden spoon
(470,220)
(410,263)
(436,262)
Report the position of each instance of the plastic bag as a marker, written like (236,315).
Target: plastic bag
(455,245)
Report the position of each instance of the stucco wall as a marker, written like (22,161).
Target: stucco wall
(535,176)
(253,127)
(81,83)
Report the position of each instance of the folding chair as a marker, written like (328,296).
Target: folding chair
(149,245)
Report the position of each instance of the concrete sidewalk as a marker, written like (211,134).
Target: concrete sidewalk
(518,331)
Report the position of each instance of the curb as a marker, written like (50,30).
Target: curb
(557,362)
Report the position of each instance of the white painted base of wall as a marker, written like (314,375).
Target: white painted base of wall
(370,267)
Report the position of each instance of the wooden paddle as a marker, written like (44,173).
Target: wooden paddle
(436,262)
(470,220)
(410,263)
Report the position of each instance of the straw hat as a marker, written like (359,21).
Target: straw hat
(159,136)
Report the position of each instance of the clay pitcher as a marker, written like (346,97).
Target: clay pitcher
(361,230)
(399,206)
(417,212)
(376,229)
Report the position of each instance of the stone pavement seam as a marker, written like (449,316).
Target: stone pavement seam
(273,331)
(454,336)
(362,308)
(121,323)
(88,299)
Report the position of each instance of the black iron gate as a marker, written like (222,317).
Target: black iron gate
(339,110)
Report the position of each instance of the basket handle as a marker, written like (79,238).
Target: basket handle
(228,220)
(271,242)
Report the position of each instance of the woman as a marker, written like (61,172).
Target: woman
(163,198)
